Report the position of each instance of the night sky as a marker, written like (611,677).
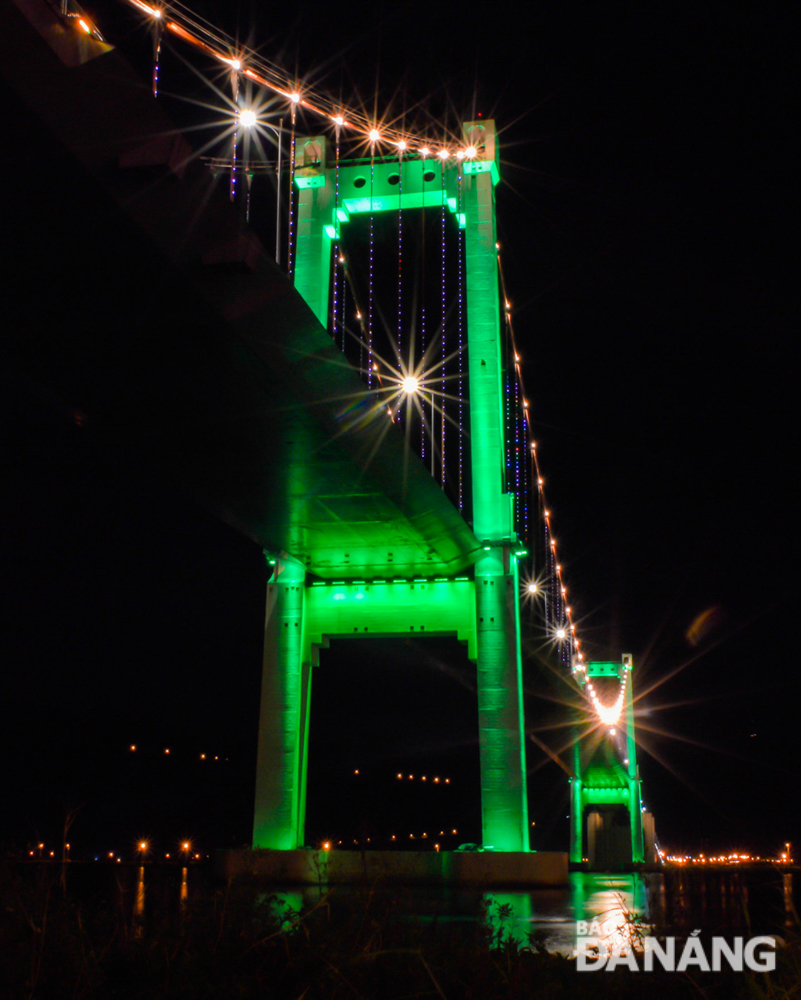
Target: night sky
(644,216)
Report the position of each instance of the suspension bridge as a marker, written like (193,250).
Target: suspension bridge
(380,454)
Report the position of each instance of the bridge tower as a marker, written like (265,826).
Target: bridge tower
(394,599)
(606,823)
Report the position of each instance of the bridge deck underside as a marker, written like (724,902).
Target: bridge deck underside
(189,351)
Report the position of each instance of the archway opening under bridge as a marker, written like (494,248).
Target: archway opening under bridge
(393,746)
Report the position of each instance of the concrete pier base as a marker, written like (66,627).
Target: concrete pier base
(453,868)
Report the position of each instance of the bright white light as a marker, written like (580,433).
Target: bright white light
(425,151)
(375,135)
(401,144)
(295,98)
(339,120)
(157,13)
(247,118)
(560,633)
(410,385)
(236,64)
(471,151)
(532,588)
(443,154)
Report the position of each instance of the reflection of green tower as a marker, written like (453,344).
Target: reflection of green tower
(606,782)
(477,599)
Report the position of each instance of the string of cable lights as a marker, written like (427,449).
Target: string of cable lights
(558,616)
(182,23)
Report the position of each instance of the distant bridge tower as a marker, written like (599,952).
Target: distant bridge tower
(395,598)
(607,824)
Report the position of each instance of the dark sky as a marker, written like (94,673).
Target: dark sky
(644,217)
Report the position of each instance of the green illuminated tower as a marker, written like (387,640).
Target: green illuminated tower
(392,594)
(606,781)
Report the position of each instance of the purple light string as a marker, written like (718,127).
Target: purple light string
(444,317)
(460,343)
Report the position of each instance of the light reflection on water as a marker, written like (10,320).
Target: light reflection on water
(139,904)
(546,918)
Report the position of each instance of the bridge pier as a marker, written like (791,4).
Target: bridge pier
(485,610)
(606,781)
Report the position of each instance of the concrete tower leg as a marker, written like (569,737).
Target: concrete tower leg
(280,762)
(504,810)
(500,696)
(315,224)
(576,807)
(635,795)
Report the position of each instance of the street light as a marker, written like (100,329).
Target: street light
(248,118)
